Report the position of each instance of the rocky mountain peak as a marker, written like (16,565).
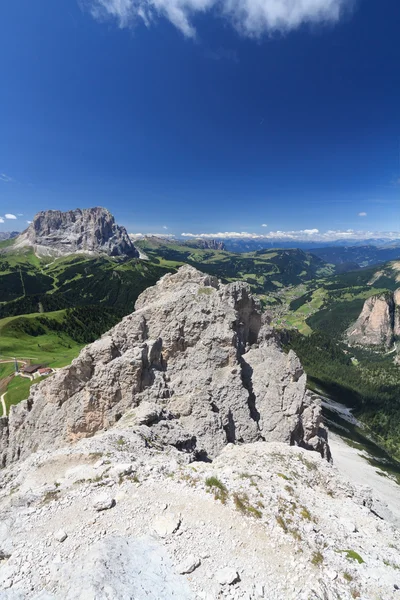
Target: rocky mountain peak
(195,363)
(379,321)
(211,244)
(89,230)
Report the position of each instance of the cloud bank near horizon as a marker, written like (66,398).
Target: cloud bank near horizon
(251,18)
(302,235)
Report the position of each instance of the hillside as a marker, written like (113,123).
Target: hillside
(366,378)
(265,270)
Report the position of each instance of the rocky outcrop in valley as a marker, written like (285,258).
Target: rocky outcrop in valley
(379,321)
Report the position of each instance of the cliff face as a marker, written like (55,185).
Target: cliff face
(91,230)
(379,321)
(211,244)
(194,362)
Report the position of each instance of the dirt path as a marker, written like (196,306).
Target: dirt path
(3,404)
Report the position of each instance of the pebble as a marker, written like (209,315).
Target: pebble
(188,565)
(227,576)
(60,535)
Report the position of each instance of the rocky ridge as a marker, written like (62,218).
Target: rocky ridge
(120,516)
(142,471)
(89,230)
(195,362)
(210,244)
(379,321)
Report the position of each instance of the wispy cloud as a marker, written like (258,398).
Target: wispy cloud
(300,235)
(165,227)
(6,178)
(251,18)
(362,214)
(264,225)
(137,236)
(29,222)
(1,220)
(10,216)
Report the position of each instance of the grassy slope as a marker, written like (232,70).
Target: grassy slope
(18,389)
(50,347)
(266,270)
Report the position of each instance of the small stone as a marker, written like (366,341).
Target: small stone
(60,535)
(332,574)
(188,565)
(227,576)
(165,525)
(103,502)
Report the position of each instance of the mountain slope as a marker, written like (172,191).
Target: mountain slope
(264,270)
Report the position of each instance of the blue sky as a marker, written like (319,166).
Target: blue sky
(201,116)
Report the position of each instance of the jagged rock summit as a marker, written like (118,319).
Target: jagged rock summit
(195,364)
(379,321)
(88,230)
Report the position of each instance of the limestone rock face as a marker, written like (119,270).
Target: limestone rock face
(379,321)
(91,230)
(194,365)
(211,244)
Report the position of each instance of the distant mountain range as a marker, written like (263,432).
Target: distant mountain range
(7,235)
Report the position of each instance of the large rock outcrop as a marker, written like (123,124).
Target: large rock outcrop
(379,321)
(194,362)
(88,230)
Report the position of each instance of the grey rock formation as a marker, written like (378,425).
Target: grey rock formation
(210,244)
(194,367)
(91,230)
(379,321)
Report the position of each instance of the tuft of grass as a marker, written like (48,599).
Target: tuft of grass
(281,522)
(243,505)
(296,534)
(205,290)
(216,487)
(347,576)
(355,593)
(352,555)
(283,476)
(121,442)
(289,489)
(305,513)
(51,496)
(317,559)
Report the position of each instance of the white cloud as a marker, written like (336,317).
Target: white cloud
(29,222)
(251,18)
(362,214)
(20,214)
(10,216)
(137,236)
(5,178)
(165,227)
(1,220)
(264,225)
(300,235)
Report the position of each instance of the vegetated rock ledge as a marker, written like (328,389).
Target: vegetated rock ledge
(195,362)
